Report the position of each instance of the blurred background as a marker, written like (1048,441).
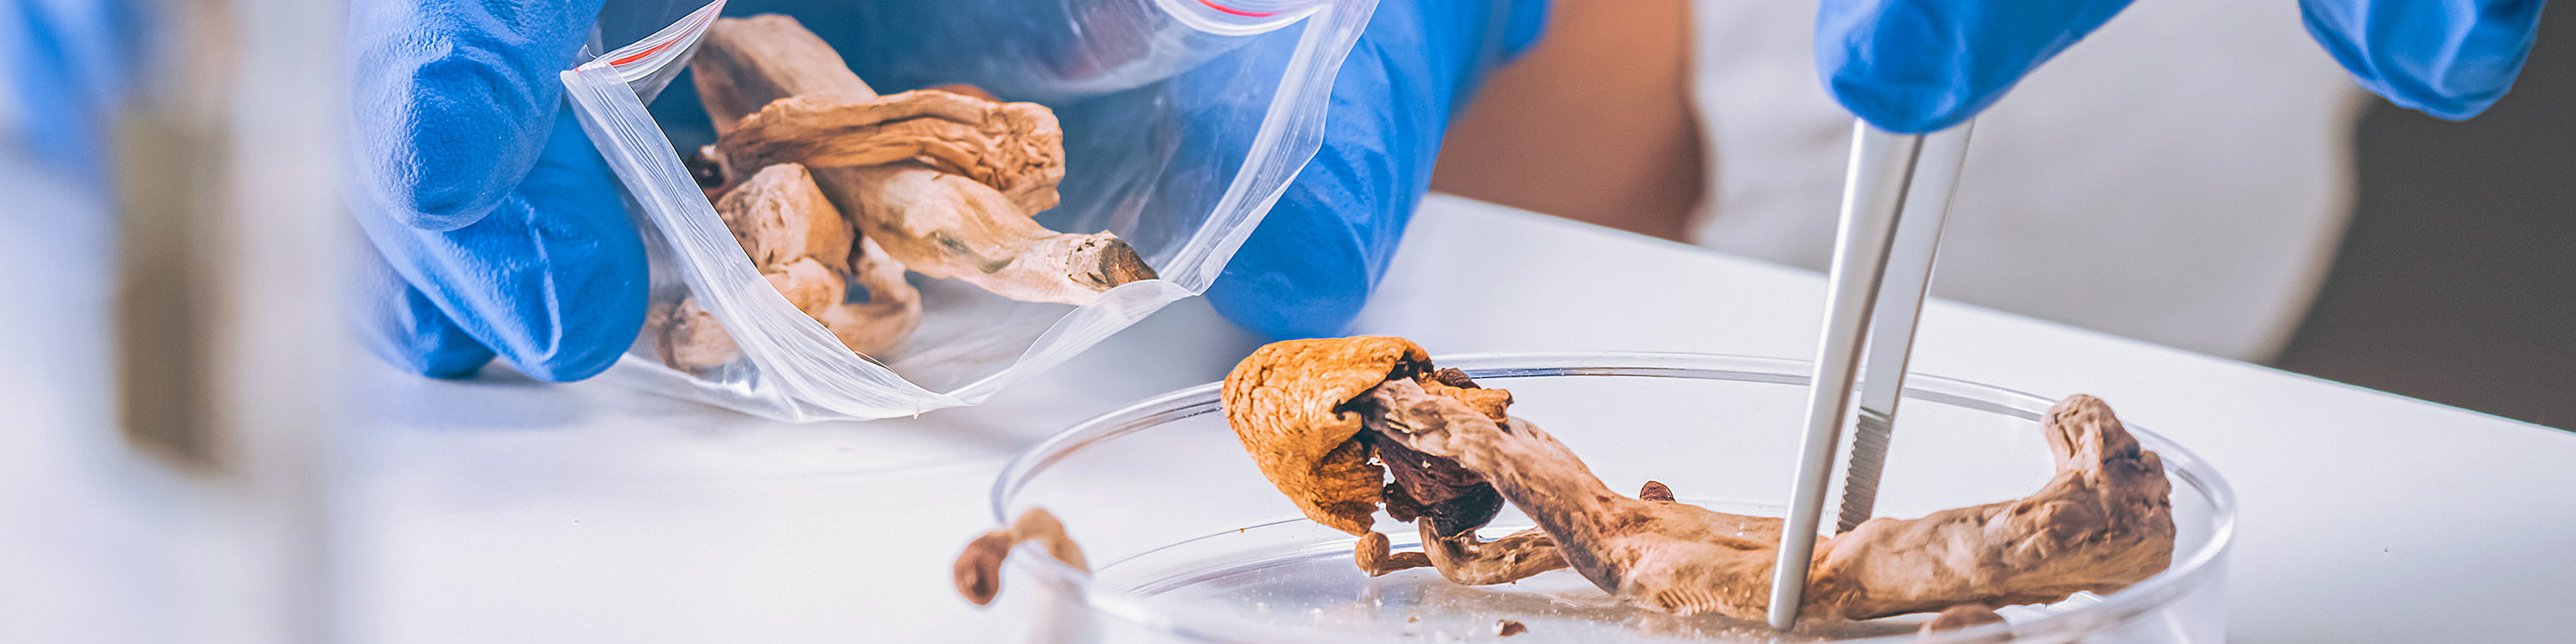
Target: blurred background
(2453,281)
(2450,274)
(2457,280)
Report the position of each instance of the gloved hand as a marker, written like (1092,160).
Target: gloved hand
(1316,256)
(483,195)
(1923,65)
(507,236)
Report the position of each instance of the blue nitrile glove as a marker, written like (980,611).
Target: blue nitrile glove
(68,65)
(1313,261)
(482,194)
(1923,65)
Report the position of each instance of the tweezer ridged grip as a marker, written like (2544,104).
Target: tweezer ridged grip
(1868,457)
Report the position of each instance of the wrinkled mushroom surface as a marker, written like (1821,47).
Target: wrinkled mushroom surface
(777,215)
(1286,403)
(1015,148)
(945,182)
(2103,522)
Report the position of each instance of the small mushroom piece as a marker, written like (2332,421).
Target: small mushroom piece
(1375,556)
(807,285)
(978,571)
(891,314)
(1287,403)
(777,215)
(1466,560)
(688,337)
(1961,616)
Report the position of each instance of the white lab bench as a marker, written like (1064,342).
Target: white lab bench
(502,510)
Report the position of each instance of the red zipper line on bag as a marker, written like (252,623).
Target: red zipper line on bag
(648,51)
(1211,4)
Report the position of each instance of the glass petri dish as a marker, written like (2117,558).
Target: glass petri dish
(1189,544)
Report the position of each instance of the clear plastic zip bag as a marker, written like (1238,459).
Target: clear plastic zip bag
(1183,121)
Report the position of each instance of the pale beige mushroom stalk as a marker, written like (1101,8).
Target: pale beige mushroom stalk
(2104,522)
(944,182)
(978,571)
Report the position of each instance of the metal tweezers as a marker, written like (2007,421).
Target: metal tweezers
(1895,194)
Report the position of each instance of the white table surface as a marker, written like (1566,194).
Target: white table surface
(503,510)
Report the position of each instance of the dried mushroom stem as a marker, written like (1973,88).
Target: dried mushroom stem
(892,312)
(744,63)
(1466,560)
(945,182)
(1014,148)
(949,226)
(1313,413)
(2104,522)
(1375,556)
(978,570)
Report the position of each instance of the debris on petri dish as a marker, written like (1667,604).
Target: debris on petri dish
(1508,628)
(1318,417)
(1961,616)
(978,571)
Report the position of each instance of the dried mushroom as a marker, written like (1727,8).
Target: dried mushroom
(778,216)
(805,250)
(1014,148)
(1304,427)
(688,337)
(2102,523)
(835,192)
(978,570)
(945,182)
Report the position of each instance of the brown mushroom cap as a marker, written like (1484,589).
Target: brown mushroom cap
(1287,403)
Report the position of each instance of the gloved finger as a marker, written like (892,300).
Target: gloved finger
(452,99)
(2447,58)
(1311,264)
(1914,66)
(402,326)
(553,280)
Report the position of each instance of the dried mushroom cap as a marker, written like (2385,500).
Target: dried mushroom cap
(1288,403)
(949,226)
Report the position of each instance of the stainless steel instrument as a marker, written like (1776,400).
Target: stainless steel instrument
(1895,194)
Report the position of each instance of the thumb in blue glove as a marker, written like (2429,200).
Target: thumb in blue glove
(1313,261)
(483,195)
(1916,66)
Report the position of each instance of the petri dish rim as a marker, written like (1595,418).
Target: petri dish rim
(2115,608)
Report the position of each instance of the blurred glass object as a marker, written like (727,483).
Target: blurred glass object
(170,259)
